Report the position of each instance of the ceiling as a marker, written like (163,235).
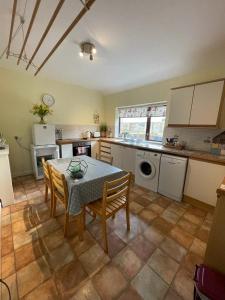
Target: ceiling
(137,41)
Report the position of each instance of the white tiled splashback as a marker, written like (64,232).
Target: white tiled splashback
(193,137)
(75,131)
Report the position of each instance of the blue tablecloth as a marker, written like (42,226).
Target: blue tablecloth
(90,187)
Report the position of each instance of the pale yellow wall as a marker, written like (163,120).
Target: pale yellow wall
(18,91)
(153,92)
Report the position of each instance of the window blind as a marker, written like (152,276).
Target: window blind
(142,111)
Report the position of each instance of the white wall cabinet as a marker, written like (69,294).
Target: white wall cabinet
(202,181)
(180,106)
(67,150)
(206,103)
(197,105)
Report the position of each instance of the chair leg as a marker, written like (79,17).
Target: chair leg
(80,220)
(66,224)
(128,217)
(53,206)
(113,216)
(51,200)
(46,192)
(84,218)
(104,234)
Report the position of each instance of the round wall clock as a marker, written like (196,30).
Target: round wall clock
(48,99)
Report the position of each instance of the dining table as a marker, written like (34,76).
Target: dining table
(90,187)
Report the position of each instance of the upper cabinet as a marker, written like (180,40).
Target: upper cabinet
(199,105)
(180,108)
(206,103)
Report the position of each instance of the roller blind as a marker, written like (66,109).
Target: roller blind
(142,111)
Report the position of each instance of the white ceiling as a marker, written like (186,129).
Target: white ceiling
(137,41)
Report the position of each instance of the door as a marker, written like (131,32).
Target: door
(128,159)
(117,151)
(67,151)
(206,103)
(202,181)
(180,106)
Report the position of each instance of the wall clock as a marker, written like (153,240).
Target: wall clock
(48,100)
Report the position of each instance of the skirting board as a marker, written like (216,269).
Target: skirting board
(198,204)
(24,173)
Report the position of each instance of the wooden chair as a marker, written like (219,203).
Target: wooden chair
(104,158)
(48,181)
(60,193)
(104,153)
(115,196)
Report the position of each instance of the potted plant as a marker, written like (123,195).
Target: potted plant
(103,129)
(42,111)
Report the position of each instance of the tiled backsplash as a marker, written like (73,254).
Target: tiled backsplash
(193,137)
(76,131)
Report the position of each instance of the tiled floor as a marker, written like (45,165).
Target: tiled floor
(155,260)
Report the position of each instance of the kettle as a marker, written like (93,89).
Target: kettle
(87,134)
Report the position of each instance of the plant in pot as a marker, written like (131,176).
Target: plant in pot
(42,111)
(103,129)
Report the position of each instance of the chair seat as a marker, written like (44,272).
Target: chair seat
(111,206)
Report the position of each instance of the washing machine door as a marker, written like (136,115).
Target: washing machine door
(146,169)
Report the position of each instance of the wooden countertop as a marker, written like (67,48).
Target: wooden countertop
(193,154)
(70,141)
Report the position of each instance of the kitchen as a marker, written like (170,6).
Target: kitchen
(165,133)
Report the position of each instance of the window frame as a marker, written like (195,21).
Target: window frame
(148,122)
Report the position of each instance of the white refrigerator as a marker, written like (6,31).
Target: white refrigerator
(43,134)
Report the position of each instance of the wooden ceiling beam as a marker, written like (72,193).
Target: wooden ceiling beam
(59,6)
(11,27)
(68,30)
(29,29)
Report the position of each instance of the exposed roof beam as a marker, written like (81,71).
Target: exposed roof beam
(60,4)
(11,27)
(29,29)
(68,30)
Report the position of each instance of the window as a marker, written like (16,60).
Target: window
(143,122)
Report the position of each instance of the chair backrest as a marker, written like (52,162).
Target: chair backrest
(116,189)
(46,169)
(105,158)
(59,185)
(104,153)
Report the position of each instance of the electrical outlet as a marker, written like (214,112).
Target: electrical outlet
(16,137)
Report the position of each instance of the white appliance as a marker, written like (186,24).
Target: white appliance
(147,169)
(172,176)
(43,134)
(45,151)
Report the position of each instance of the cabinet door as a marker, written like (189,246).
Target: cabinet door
(128,159)
(116,151)
(206,103)
(202,180)
(67,150)
(180,106)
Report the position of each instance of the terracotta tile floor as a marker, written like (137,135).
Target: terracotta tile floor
(155,260)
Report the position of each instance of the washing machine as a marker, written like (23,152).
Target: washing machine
(147,169)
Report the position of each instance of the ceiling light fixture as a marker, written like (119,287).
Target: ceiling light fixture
(87,48)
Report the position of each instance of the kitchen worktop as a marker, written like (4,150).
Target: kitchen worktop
(194,154)
(70,141)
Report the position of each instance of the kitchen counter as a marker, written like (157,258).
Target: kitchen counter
(193,154)
(70,141)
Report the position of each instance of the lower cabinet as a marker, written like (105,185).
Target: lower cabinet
(123,157)
(202,180)
(66,151)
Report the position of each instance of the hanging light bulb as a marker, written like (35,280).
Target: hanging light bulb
(81,54)
(94,50)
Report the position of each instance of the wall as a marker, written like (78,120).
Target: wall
(161,92)
(74,105)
